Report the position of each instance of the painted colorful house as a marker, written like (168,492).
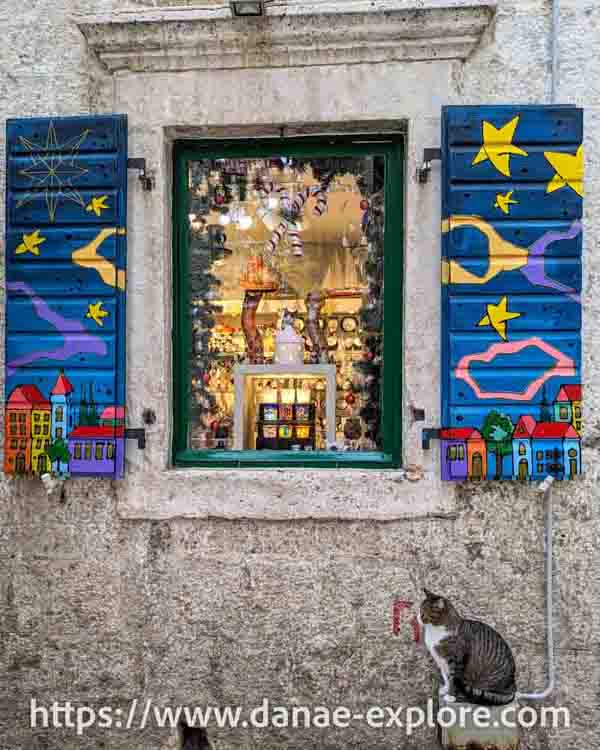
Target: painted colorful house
(463,454)
(556,450)
(567,406)
(96,450)
(27,424)
(522,452)
(62,409)
(113,416)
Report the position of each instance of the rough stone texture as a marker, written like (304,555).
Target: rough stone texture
(140,590)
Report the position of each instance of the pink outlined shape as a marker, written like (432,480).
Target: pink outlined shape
(565,367)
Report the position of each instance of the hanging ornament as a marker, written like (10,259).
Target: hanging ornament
(350,399)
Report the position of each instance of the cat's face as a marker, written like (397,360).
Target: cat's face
(435,610)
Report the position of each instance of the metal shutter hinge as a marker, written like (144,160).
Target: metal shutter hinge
(429,434)
(146,180)
(136,433)
(429,155)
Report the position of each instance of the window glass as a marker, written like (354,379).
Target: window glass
(285,275)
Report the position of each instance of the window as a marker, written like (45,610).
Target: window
(12,417)
(572,453)
(38,444)
(279,274)
(46,429)
(12,429)
(22,418)
(58,414)
(47,416)
(577,412)
(563,412)
(522,449)
(452,453)
(539,455)
(37,417)
(110,451)
(78,450)
(549,455)
(540,468)
(87,451)
(59,433)
(99,451)
(461,452)
(14,444)
(37,429)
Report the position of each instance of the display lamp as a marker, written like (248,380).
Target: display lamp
(248,8)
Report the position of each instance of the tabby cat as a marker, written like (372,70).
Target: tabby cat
(475,661)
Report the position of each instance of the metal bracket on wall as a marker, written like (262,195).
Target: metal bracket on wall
(140,165)
(429,434)
(136,433)
(429,155)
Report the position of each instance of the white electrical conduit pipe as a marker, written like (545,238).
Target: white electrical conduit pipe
(546,489)
(555,49)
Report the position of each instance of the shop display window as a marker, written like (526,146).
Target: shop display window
(280,263)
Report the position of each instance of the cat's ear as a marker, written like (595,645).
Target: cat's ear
(430,595)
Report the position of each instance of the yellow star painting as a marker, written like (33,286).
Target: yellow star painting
(569,170)
(31,243)
(498,147)
(504,202)
(496,317)
(96,313)
(97,205)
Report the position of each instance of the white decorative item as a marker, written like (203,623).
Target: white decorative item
(289,347)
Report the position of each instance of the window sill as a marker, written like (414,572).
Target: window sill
(328,33)
(285,460)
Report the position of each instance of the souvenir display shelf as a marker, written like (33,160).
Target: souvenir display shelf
(244,418)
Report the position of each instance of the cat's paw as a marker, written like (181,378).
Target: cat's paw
(449,699)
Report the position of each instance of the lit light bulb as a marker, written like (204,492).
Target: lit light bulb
(224,220)
(245,222)
(192,218)
(272,202)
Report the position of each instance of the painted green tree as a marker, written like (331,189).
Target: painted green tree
(58,453)
(497,431)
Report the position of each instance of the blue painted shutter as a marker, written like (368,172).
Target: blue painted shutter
(66,218)
(511,286)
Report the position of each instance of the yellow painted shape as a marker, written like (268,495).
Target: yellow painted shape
(569,170)
(31,243)
(504,202)
(97,205)
(88,257)
(503,255)
(498,147)
(496,317)
(96,313)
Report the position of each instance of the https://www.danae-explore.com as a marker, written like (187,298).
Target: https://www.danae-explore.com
(142,713)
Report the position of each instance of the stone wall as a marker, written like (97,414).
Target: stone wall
(171,588)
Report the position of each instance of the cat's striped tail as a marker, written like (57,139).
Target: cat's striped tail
(491,697)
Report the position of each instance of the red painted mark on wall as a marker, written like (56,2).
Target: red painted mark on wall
(400,606)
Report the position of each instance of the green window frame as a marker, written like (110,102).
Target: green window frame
(391,148)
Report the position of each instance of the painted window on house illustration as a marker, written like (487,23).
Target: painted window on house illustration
(281,256)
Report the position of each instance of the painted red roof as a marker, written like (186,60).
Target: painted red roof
(525,427)
(554,430)
(27,395)
(569,393)
(460,433)
(94,432)
(62,387)
(113,412)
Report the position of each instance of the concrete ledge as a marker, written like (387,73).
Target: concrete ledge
(177,39)
(469,736)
